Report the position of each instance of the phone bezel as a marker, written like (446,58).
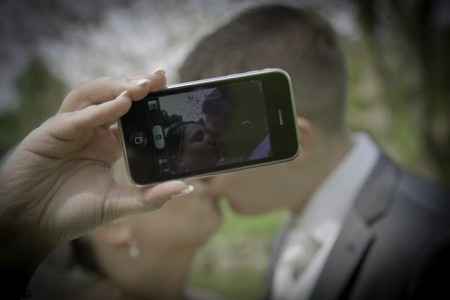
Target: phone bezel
(289,118)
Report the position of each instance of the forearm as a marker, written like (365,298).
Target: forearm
(18,262)
(22,246)
(19,255)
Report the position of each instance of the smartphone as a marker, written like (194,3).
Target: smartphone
(211,126)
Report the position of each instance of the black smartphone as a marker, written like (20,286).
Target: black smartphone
(211,126)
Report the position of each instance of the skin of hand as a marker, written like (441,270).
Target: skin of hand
(57,183)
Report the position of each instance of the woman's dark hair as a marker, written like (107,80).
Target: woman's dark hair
(174,142)
(84,256)
(217,102)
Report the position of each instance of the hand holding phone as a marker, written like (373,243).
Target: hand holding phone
(211,126)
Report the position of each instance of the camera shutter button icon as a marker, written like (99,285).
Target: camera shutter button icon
(139,139)
(158,137)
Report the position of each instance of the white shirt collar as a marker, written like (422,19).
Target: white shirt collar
(319,225)
(336,195)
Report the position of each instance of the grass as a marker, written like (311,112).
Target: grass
(234,263)
(243,284)
(238,226)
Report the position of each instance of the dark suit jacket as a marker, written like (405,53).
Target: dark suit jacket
(394,243)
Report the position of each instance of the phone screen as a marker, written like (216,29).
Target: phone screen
(209,127)
(203,128)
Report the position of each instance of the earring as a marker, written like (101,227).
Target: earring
(133,250)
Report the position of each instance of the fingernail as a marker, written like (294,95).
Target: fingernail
(123,94)
(160,72)
(142,82)
(189,189)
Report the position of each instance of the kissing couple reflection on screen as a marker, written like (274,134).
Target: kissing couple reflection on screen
(212,140)
(197,145)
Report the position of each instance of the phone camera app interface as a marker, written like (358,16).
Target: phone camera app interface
(208,127)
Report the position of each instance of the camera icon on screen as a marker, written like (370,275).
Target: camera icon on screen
(152,105)
(139,139)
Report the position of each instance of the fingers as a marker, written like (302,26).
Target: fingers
(104,113)
(139,88)
(72,125)
(202,189)
(114,129)
(101,103)
(124,200)
(216,186)
(105,89)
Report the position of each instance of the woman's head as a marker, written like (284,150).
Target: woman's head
(191,147)
(140,254)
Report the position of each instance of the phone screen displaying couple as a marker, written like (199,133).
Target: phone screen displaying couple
(207,128)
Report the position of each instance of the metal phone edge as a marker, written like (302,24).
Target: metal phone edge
(208,174)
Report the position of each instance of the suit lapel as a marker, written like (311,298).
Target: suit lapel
(347,254)
(277,248)
(357,233)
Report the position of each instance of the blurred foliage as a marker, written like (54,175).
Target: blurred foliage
(234,262)
(410,42)
(39,95)
(394,126)
(239,284)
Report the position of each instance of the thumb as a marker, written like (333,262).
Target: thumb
(123,200)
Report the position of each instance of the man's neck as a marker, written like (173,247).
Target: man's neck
(326,158)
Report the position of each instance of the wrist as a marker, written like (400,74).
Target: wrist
(18,262)
(22,245)
(20,253)
(21,248)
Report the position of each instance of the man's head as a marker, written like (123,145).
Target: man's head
(297,41)
(216,109)
(306,47)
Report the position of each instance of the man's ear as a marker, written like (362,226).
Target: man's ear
(306,134)
(117,233)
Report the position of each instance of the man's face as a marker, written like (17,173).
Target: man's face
(187,222)
(266,189)
(258,191)
(199,149)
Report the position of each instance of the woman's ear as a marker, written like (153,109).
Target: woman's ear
(117,233)
(306,134)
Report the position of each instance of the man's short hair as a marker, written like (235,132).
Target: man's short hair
(295,40)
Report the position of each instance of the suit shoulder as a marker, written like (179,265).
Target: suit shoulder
(431,281)
(390,185)
(425,192)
